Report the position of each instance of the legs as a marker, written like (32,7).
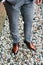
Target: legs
(13,15)
(27,11)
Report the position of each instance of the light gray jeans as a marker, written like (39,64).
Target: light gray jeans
(26,7)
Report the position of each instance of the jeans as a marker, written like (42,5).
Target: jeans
(26,7)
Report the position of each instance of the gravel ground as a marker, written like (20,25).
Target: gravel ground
(24,56)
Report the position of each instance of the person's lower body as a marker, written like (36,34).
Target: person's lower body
(26,8)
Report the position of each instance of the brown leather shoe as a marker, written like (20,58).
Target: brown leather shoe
(15,48)
(31,46)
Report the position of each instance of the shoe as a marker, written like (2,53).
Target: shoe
(31,46)
(15,48)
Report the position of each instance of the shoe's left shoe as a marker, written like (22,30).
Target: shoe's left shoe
(15,48)
(31,46)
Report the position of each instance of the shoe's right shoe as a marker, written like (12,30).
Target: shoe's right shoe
(30,45)
(15,48)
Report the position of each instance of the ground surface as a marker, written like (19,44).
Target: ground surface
(25,56)
(2,16)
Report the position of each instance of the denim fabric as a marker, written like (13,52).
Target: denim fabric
(26,7)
